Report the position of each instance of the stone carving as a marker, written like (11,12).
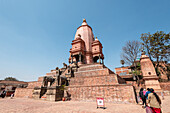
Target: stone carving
(46,80)
(57,71)
(56,68)
(65,65)
(69,69)
(58,80)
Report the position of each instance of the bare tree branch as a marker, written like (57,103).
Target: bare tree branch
(131,51)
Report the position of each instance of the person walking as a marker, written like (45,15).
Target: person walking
(144,91)
(146,94)
(3,94)
(154,101)
(142,96)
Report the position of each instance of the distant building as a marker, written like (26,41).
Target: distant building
(126,72)
(122,71)
(10,86)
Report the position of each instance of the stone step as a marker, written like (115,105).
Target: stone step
(104,71)
(110,79)
(90,67)
(91,72)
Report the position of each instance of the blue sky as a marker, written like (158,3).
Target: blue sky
(36,35)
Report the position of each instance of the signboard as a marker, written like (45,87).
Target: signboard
(100,102)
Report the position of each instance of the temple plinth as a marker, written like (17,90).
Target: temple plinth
(149,73)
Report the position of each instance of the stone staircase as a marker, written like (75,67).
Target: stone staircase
(94,74)
(92,69)
(96,80)
(86,67)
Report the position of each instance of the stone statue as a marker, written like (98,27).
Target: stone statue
(56,68)
(65,65)
(46,80)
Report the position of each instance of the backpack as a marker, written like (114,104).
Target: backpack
(141,94)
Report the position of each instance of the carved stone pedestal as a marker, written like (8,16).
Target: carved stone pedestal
(36,93)
(152,82)
(54,93)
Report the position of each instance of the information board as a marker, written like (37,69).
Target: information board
(100,102)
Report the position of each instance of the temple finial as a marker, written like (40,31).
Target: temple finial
(143,52)
(84,20)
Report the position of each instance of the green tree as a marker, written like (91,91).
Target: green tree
(10,79)
(157,46)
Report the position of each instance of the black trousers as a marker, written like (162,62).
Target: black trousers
(144,101)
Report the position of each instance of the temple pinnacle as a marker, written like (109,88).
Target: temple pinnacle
(84,20)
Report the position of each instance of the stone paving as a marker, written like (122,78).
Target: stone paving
(23,105)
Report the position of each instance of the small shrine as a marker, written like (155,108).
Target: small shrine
(149,74)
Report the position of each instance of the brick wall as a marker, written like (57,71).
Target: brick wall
(90,67)
(40,79)
(24,92)
(95,80)
(165,86)
(111,93)
(122,70)
(120,80)
(104,71)
(27,92)
(34,84)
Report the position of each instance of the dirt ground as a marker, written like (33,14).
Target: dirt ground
(23,105)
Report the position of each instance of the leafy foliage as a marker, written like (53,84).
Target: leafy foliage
(157,46)
(10,79)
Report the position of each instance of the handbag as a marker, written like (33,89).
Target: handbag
(148,109)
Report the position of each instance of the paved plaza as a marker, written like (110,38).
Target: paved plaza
(23,105)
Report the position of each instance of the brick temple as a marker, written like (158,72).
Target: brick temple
(85,77)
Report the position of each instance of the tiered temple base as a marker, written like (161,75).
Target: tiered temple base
(48,93)
(96,80)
